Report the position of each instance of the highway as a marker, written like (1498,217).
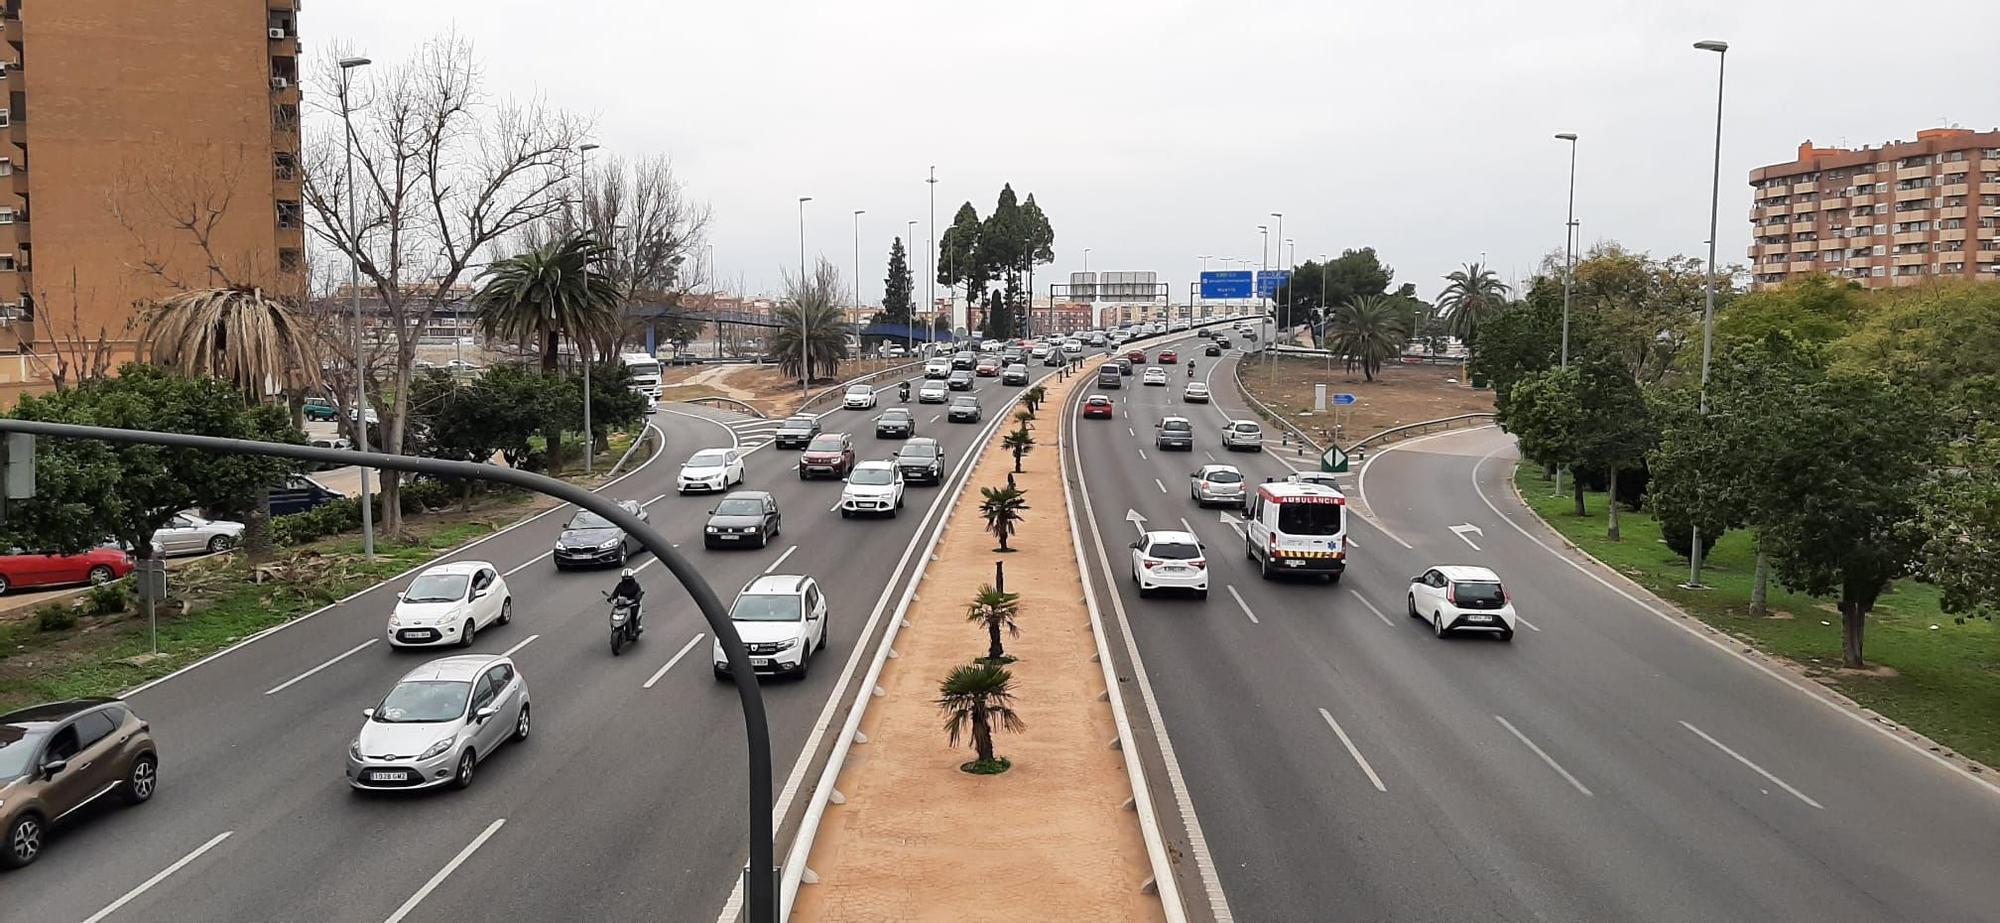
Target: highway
(626,802)
(1613,762)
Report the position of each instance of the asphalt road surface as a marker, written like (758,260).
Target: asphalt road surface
(626,803)
(1611,763)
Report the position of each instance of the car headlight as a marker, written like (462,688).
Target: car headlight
(610,544)
(354,748)
(713,529)
(435,749)
(785,645)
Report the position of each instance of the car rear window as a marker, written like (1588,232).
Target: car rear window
(1175,551)
(1181,426)
(1479,593)
(1295,518)
(1224,477)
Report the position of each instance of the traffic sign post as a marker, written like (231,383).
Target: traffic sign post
(1333,460)
(152,578)
(1270,280)
(1343,399)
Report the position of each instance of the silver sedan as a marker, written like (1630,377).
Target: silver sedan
(438,722)
(187,533)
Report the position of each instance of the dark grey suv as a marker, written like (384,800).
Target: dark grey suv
(57,758)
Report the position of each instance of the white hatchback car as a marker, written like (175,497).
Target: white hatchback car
(858,397)
(872,487)
(782,621)
(1455,597)
(1243,434)
(710,470)
(1170,561)
(438,722)
(1154,376)
(449,604)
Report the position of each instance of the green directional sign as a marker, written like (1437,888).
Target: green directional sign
(1334,460)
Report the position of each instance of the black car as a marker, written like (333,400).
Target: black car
(964,361)
(1124,365)
(1016,374)
(796,431)
(1212,350)
(960,380)
(922,461)
(895,423)
(589,539)
(744,517)
(963,410)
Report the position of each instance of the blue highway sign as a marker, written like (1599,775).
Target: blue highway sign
(1230,283)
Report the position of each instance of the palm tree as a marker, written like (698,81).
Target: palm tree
(1020,442)
(811,313)
(1002,508)
(1469,296)
(977,696)
(560,290)
(1368,330)
(257,343)
(995,609)
(1025,418)
(1034,396)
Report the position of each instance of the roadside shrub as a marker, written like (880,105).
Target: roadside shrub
(54,617)
(320,521)
(108,599)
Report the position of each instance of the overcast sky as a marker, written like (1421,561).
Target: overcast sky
(1157,132)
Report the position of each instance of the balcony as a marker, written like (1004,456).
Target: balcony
(1912,237)
(1955,189)
(1914,172)
(1773,211)
(1772,191)
(1829,204)
(1987,256)
(1952,234)
(1803,246)
(1861,198)
(1805,225)
(1960,166)
(1989,211)
(1906,195)
(1766,249)
(1989,233)
(1949,213)
(1801,266)
(1989,166)
(1911,259)
(1831,243)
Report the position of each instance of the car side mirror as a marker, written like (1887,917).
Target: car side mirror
(52,767)
(486,711)
(1417,579)
(368,713)
(1134,546)
(399,597)
(480,593)
(843,480)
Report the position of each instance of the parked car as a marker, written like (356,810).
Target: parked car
(299,493)
(782,619)
(438,722)
(831,454)
(58,757)
(22,569)
(188,533)
(321,410)
(796,431)
(589,539)
(921,460)
(744,517)
(448,604)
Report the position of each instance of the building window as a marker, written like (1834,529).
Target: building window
(6,216)
(288,214)
(285,117)
(6,166)
(6,262)
(284,166)
(290,259)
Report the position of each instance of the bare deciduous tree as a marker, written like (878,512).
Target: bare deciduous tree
(178,196)
(441,173)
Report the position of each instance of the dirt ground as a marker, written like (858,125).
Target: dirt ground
(1049,839)
(762,386)
(1399,394)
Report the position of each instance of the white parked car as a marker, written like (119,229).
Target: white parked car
(1455,597)
(188,533)
(1170,561)
(449,604)
(859,397)
(1243,434)
(438,722)
(782,621)
(872,487)
(710,470)
(1154,376)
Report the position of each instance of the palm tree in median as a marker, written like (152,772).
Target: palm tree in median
(554,292)
(974,698)
(1002,508)
(811,314)
(1368,330)
(244,337)
(996,610)
(1470,295)
(1020,442)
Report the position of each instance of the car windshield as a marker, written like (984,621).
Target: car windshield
(872,477)
(739,506)
(710,459)
(420,701)
(860,390)
(1313,518)
(897,415)
(1179,426)
(918,451)
(437,588)
(798,423)
(965,402)
(1175,551)
(17,747)
(765,609)
(1224,476)
(1474,592)
(824,444)
(585,519)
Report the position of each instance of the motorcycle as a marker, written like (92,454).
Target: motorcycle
(903,392)
(624,623)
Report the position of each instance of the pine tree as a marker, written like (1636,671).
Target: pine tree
(896,287)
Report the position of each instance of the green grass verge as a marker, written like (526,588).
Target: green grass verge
(1945,682)
(96,658)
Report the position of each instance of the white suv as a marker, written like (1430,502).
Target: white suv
(782,621)
(939,367)
(1242,434)
(1455,597)
(1170,561)
(859,397)
(872,487)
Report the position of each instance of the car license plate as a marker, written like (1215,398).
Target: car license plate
(1295,563)
(391,777)
(1482,619)
(731,537)
(760,662)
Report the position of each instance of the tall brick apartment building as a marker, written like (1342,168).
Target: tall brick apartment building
(1882,216)
(149,145)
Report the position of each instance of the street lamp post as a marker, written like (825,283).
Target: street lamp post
(930,250)
(584,343)
(347,66)
(910,322)
(805,355)
(1569,262)
(1721,50)
(857,261)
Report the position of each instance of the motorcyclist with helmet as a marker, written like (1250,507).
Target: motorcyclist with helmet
(628,589)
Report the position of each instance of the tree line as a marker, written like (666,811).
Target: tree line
(1004,248)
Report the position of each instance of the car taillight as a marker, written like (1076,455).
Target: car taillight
(1506,596)
(1199,564)
(1451,593)
(1149,562)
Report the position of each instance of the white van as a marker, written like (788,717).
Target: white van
(1295,528)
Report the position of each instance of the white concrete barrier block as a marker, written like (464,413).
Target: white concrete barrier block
(836,797)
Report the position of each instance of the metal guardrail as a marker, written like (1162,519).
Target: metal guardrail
(1407,430)
(724,403)
(835,390)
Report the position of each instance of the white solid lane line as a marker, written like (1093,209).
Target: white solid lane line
(1351,751)
(675,659)
(1185,525)
(524,642)
(781,559)
(1544,755)
(445,872)
(156,879)
(1531,625)
(336,659)
(1371,607)
(654,500)
(1719,745)
(1243,605)
(1163,487)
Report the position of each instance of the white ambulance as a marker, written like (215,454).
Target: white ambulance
(1296,528)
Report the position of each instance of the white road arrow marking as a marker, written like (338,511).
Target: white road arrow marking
(1462,528)
(1137,521)
(1233,523)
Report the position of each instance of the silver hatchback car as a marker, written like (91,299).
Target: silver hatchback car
(438,722)
(1216,484)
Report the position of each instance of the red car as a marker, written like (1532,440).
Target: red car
(1138,356)
(987,368)
(98,565)
(831,454)
(1097,405)
(1169,357)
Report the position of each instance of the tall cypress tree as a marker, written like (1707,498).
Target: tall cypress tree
(958,254)
(897,286)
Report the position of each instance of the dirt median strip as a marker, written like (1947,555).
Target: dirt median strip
(916,838)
